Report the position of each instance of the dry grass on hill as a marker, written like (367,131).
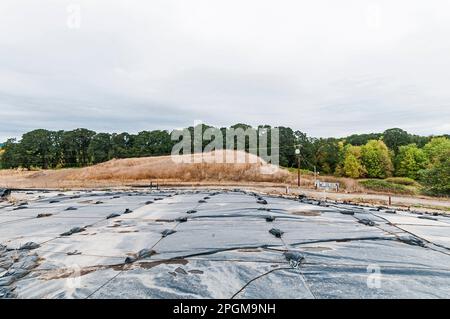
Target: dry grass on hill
(167,168)
(158,169)
(250,169)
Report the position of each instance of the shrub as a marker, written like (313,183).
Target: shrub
(410,160)
(402,181)
(437,178)
(384,186)
(437,148)
(376,159)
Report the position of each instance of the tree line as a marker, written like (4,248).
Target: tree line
(394,152)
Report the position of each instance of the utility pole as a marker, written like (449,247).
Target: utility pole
(297,152)
(315,176)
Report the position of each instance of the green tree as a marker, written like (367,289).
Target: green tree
(352,165)
(38,147)
(68,149)
(326,154)
(58,156)
(376,159)
(11,154)
(420,141)
(238,126)
(83,138)
(74,147)
(287,149)
(410,160)
(437,178)
(263,132)
(307,149)
(436,148)
(152,143)
(122,145)
(100,148)
(396,137)
(361,139)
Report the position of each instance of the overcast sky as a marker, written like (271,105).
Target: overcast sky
(326,67)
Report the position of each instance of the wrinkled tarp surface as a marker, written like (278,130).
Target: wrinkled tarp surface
(216,244)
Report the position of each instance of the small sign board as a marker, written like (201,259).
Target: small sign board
(327,186)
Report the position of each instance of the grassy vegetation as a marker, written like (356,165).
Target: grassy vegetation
(389,187)
(303,171)
(161,168)
(402,181)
